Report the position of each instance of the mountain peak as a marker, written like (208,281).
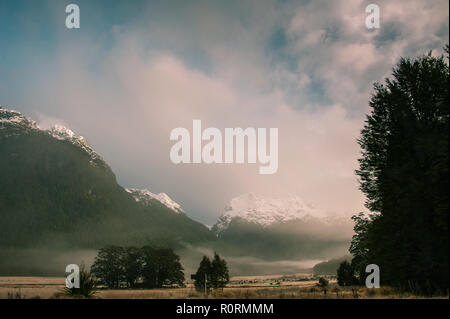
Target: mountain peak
(16,124)
(61,132)
(146,197)
(265,211)
(12,118)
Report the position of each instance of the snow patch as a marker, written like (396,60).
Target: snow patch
(145,196)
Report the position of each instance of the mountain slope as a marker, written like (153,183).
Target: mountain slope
(56,191)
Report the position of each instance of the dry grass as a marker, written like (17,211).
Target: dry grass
(48,287)
(261,293)
(29,287)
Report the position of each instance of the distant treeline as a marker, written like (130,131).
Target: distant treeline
(154,267)
(148,267)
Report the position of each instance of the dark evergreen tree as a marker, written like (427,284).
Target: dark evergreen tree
(219,272)
(346,274)
(203,275)
(404,175)
(215,273)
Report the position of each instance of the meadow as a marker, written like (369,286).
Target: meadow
(299,286)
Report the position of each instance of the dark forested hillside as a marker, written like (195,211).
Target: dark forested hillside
(53,194)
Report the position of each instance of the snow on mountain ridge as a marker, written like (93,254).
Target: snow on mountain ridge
(63,133)
(59,132)
(14,117)
(266,210)
(15,123)
(145,196)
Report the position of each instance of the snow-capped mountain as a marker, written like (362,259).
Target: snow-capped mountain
(146,197)
(266,211)
(16,123)
(284,227)
(50,185)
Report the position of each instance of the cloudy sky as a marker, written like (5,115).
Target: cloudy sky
(137,69)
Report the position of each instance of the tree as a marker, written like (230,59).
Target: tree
(404,175)
(115,266)
(132,265)
(215,273)
(362,244)
(108,266)
(346,274)
(171,271)
(161,266)
(219,272)
(203,275)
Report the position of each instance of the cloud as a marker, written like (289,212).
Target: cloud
(129,114)
(305,67)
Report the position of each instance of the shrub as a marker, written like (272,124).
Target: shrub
(322,282)
(88,287)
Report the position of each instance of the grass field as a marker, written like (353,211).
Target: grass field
(299,286)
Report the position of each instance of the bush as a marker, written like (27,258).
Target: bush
(88,287)
(322,282)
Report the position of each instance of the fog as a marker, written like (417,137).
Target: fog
(53,262)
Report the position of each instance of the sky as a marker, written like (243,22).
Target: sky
(135,70)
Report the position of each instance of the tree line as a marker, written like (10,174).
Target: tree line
(154,267)
(148,267)
(403,173)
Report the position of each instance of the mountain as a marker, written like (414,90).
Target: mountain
(147,198)
(281,228)
(56,191)
(58,196)
(264,211)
